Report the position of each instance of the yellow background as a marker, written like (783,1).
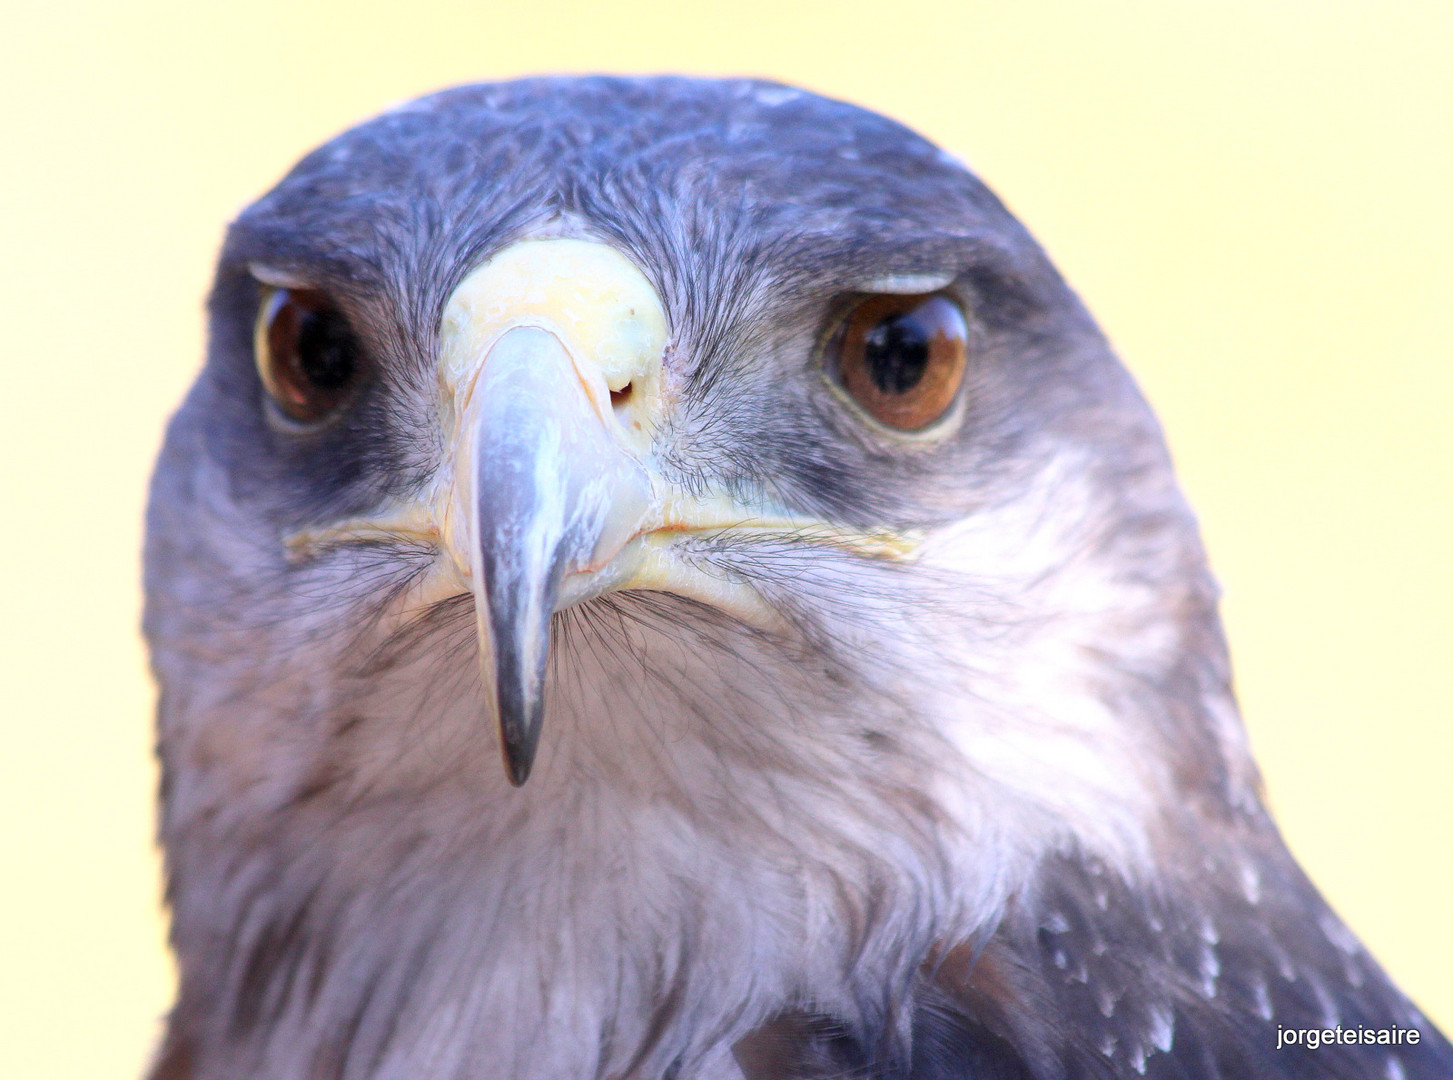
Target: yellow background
(1256,198)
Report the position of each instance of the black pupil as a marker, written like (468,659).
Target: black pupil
(896,351)
(325,350)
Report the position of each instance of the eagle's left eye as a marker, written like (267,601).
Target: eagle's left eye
(307,354)
(902,358)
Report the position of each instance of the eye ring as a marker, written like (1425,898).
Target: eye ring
(308,357)
(901,358)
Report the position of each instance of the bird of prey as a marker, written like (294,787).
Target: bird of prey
(729,466)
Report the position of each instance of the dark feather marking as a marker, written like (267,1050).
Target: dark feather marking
(667,1009)
(1035,1005)
(950,1043)
(273,959)
(800,1046)
(330,1061)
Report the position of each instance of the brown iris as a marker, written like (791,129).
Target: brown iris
(307,354)
(902,357)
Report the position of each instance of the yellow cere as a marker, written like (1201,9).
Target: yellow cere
(594,299)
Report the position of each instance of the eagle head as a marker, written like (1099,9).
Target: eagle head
(732,467)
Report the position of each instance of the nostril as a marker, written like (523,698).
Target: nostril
(620,397)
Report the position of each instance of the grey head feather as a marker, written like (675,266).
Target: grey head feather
(727,827)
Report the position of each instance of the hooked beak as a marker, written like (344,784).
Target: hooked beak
(545,491)
(551,380)
(539,345)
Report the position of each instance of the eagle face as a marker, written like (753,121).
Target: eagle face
(730,463)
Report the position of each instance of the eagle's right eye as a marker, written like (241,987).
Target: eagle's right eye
(902,358)
(307,354)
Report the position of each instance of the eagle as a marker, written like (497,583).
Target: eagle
(661,579)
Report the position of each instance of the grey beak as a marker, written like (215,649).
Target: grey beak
(549,491)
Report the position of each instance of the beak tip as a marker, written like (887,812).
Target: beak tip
(519,739)
(517,768)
